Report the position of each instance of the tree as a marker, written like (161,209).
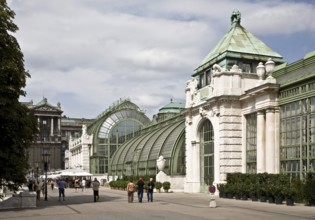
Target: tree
(18,125)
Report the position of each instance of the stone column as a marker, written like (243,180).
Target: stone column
(59,126)
(261,166)
(277,141)
(270,141)
(51,126)
(196,167)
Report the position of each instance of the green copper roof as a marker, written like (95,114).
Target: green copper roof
(142,151)
(239,43)
(172,107)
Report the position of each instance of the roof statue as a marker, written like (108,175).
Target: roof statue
(236,17)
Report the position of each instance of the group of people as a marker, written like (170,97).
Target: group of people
(95,185)
(39,186)
(80,184)
(131,188)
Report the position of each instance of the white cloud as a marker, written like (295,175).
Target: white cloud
(87,54)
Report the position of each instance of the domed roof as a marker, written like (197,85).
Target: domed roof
(172,107)
(239,43)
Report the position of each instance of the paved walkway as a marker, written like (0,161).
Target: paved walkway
(113,205)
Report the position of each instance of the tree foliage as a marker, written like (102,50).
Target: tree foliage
(17,124)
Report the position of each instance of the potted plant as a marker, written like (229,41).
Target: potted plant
(278,193)
(309,189)
(222,191)
(237,191)
(158,186)
(230,190)
(166,186)
(262,193)
(289,193)
(244,191)
(253,192)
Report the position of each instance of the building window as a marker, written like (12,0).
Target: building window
(205,78)
(179,167)
(297,133)
(119,133)
(251,143)
(207,150)
(246,68)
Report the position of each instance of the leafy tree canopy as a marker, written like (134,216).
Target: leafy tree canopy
(18,125)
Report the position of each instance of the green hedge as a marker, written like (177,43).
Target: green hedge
(273,186)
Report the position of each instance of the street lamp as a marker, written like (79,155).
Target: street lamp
(46,156)
(36,174)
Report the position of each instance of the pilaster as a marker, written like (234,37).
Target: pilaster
(261,166)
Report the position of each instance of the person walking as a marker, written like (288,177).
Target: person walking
(140,185)
(130,190)
(61,186)
(83,184)
(52,184)
(150,190)
(96,186)
(37,188)
(76,184)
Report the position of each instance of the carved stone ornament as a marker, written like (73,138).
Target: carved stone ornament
(236,17)
(202,112)
(160,163)
(46,108)
(236,69)
(216,68)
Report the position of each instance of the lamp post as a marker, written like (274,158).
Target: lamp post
(46,161)
(36,174)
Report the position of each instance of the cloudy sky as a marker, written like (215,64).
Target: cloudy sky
(86,54)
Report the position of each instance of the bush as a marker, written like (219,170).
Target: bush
(158,185)
(166,185)
(309,189)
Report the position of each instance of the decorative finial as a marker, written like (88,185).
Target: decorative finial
(236,17)
(270,65)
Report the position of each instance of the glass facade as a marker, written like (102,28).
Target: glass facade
(114,127)
(251,143)
(297,145)
(138,156)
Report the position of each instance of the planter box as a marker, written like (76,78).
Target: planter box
(290,202)
(254,199)
(278,201)
(263,199)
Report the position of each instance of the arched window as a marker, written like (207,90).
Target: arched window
(207,152)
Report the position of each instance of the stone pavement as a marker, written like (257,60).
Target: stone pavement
(113,205)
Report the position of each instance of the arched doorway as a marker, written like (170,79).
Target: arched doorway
(206,155)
